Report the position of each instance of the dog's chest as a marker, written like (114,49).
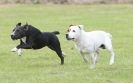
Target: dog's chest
(86,47)
(23,39)
(82,47)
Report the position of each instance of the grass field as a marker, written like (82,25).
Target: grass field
(43,66)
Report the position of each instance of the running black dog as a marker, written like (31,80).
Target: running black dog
(32,38)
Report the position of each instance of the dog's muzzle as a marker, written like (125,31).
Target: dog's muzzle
(13,37)
(67,37)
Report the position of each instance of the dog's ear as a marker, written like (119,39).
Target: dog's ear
(19,24)
(81,27)
(71,25)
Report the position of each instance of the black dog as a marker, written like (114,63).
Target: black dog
(32,38)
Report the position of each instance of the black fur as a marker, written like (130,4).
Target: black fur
(103,46)
(35,39)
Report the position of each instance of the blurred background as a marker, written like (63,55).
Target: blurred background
(43,66)
(65,1)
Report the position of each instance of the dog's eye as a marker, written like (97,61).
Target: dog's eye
(74,31)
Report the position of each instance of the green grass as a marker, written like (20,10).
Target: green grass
(43,66)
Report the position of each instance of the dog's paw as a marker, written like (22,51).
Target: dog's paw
(14,49)
(63,54)
(19,52)
(92,67)
(111,62)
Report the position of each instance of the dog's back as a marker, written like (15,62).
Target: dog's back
(98,35)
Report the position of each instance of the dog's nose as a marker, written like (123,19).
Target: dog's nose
(12,36)
(66,35)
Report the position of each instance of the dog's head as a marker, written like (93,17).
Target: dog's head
(19,31)
(74,32)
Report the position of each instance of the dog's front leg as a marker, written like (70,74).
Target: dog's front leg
(93,62)
(19,51)
(24,46)
(84,57)
(96,56)
(14,49)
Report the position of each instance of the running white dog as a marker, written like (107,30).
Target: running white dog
(90,43)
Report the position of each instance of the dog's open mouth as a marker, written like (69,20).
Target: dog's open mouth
(69,38)
(72,38)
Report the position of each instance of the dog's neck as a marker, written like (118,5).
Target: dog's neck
(77,40)
(33,31)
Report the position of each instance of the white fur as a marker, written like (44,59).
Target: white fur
(64,54)
(14,49)
(23,39)
(89,43)
(19,51)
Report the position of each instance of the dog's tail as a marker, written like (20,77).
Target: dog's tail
(56,32)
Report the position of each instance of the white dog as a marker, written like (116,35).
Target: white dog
(90,43)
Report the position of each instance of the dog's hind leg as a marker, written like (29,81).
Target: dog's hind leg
(64,54)
(59,53)
(112,56)
(109,47)
(57,49)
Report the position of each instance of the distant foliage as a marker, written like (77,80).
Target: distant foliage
(65,1)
